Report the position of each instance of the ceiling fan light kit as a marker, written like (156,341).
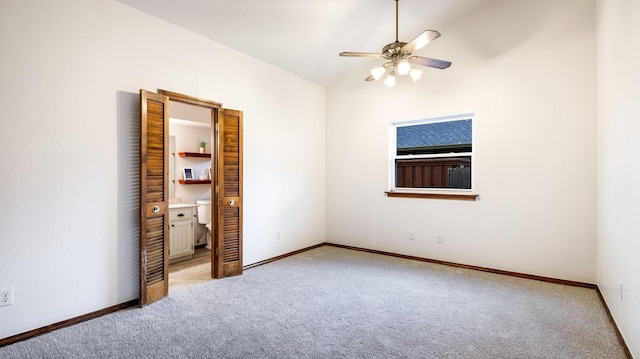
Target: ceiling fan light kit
(404,67)
(378,72)
(399,59)
(391,80)
(415,74)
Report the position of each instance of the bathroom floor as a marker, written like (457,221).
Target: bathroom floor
(195,270)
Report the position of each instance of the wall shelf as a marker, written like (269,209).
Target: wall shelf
(194,154)
(197,155)
(195,181)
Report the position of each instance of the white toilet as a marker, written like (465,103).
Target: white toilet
(204,217)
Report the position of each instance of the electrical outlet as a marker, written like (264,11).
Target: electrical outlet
(278,236)
(440,239)
(6,296)
(411,236)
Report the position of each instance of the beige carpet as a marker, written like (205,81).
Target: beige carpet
(337,303)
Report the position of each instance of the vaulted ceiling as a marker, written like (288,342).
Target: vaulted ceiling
(304,37)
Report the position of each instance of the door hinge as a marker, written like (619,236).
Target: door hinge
(216,250)
(217,126)
(216,188)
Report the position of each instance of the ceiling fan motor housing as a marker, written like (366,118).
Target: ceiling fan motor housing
(393,51)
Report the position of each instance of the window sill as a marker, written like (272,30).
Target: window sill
(436,195)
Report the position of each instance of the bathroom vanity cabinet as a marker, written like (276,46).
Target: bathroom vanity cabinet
(181,236)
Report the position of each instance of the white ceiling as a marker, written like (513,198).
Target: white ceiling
(304,37)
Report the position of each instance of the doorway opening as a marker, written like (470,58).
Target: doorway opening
(190,153)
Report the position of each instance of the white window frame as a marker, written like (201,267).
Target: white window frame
(393,150)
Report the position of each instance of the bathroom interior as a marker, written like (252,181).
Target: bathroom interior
(189,200)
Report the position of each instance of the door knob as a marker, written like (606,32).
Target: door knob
(156,209)
(231,202)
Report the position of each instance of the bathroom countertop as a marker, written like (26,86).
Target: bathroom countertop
(182,205)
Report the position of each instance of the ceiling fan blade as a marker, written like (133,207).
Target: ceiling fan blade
(370,78)
(359,54)
(425,61)
(421,40)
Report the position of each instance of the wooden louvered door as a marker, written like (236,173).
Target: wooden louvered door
(228,238)
(154,208)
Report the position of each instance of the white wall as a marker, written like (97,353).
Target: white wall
(618,170)
(68,69)
(527,71)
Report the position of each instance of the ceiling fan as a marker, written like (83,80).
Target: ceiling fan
(399,57)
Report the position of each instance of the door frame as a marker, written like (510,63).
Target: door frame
(215,108)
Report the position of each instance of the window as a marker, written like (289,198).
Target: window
(431,154)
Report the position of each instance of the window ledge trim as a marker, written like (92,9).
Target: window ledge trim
(435,195)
